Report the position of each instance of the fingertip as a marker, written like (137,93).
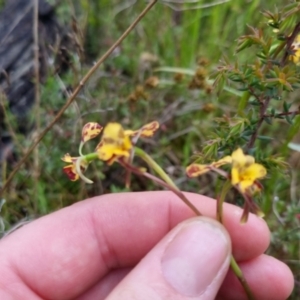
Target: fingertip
(191,261)
(268,278)
(254,235)
(201,246)
(281,277)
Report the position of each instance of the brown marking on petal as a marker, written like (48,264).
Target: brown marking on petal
(258,185)
(90,131)
(121,133)
(149,129)
(112,160)
(192,170)
(83,136)
(68,170)
(152,126)
(196,170)
(108,140)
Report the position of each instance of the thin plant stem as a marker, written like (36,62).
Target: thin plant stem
(233,264)
(156,167)
(262,112)
(90,157)
(3,169)
(76,92)
(7,117)
(172,187)
(164,176)
(288,113)
(221,200)
(239,274)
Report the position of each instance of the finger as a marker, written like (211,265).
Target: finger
(190,262)
(268,278)
(166,210)
(104,287)
(67,252)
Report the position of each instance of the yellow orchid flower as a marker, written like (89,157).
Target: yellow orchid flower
(70,170)
(245,171)
(116,142)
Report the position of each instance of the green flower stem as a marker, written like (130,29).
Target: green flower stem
(233,264)
(159,181)
(86,159)
(156,167)
(220,201)
(80,148)
(162,174)
(239,274)
(91,156)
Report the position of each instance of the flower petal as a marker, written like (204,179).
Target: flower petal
(90,131)
(147,130)
(113,134)
(67,158)
(245,184)
(114,142)
(107,152)
(240,159)
(71,172)
(195,170)
(246,177)
(235,176)
(253,172)
(223,161)
(99,145)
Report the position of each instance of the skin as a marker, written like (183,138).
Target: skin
(85,250)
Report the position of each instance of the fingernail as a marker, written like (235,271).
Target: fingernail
(194,257)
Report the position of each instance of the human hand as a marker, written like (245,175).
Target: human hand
(139,246)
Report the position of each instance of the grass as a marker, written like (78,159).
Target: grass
(173,39)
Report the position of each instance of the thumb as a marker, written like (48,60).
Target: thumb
(190,262)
